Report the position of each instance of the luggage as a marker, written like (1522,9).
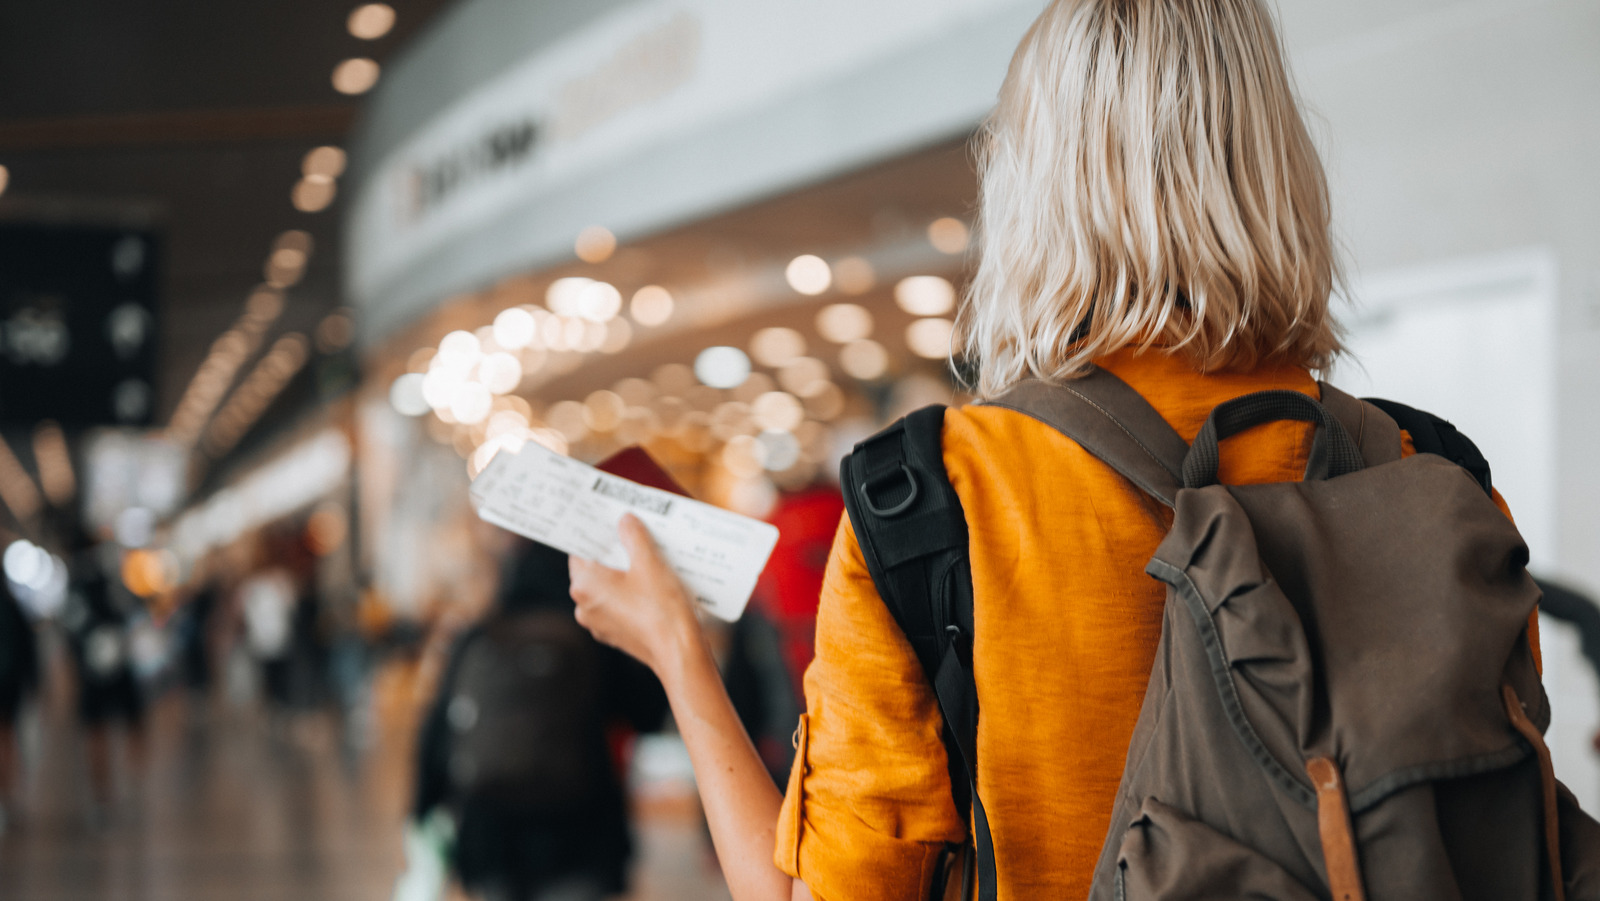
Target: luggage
(524,713)
(1293,742)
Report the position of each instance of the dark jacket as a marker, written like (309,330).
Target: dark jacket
(516,849)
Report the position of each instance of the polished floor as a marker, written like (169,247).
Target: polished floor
(225,804)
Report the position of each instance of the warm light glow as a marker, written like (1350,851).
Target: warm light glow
(439,386)
(5,179)
(324,162)
(722,367)
(293,239)
(514,328)
(652,305)
(808,274)
(744,456)
(865,359)
(355,76)
(948,235)
(459,348)
(312,196)
(599,302)
(405,395)
(854,275)
(500,372)
(595,244)
(800,374)
(505,422)
(778,410)
(148,573)
(930,338)
(842,323)
(470,403)
(371,21)
(265,304)
(564,297)
(925,295)
(776,346)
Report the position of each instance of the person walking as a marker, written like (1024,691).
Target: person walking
(518,749)
(1152,208)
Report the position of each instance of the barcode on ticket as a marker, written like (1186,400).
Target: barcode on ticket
(632,496)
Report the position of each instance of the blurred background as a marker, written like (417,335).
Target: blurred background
(277,279)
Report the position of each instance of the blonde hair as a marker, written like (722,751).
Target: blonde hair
(1147,181)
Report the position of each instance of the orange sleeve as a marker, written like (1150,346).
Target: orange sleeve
(868,807)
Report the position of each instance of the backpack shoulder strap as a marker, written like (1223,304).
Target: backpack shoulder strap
(1432,434)
(912,532)
(1112,422)
(1375,432)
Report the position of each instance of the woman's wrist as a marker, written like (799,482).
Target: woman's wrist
(681,648)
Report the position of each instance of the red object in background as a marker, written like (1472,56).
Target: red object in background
(790,586)
(636,465)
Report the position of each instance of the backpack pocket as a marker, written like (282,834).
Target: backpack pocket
(1168,856)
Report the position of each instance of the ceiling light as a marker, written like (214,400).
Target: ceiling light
(371,21)
(355,76)
(925,295)
(312,196)
(778,410)
(842,323)
(652,305)
(595,244)
(470,403)
(500,372)
(930,338)
(948,235)
(776,346)
(865,359)
(294,239)
(405,395)
(722,367)
(514,328)
(599,302)
(564,296)
(323,162)
(808,274)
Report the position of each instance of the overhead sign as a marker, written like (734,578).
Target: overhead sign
(657,112)
(77,325)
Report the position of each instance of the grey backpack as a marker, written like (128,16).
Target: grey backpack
(1344,703)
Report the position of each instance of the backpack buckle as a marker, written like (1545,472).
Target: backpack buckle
(863,490)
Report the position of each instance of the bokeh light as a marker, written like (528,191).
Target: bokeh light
(808,274)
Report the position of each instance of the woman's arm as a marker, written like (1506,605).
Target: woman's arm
(646,613)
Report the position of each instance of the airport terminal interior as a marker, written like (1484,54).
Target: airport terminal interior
(280,281)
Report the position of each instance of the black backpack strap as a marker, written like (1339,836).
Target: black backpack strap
(1431,434)
(913,537)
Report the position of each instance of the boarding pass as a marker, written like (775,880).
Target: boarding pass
(573,507)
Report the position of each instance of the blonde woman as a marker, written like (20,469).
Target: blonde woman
(1151,203)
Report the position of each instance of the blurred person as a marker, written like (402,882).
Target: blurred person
(19,677)
(519,747)
(266,599)
(1153,215)
(98,620)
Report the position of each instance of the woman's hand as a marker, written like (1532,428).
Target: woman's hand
(643,611)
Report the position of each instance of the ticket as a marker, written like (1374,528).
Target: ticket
(573,507)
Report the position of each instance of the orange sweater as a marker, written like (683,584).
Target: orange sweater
(1066,627)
